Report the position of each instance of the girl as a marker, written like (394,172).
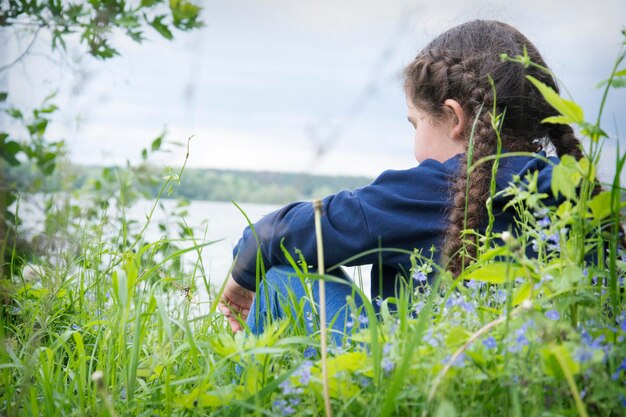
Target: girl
(449,99)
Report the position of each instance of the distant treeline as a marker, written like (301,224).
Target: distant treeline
(201,184)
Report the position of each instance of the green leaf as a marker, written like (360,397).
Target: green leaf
(522,293)
(600,205)
(3,95)
(157,23)
(620,73)
(495,273)
(566,177)
(592,131)
(150,3)
(38,127)
(557,120)
(15,113)
(557,362)
(156,144)
(567,108)
(49,109)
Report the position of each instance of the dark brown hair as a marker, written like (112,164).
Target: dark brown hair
(457,65)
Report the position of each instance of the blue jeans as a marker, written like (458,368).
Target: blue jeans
(281,294)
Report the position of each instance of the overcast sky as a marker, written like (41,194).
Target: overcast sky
(289,85)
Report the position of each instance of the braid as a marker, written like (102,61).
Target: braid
(473,195)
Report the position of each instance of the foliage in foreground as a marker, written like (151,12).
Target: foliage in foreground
(116,325)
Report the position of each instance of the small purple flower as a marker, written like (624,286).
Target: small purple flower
(500,296)
(420,277)
(123,393)
(304,372)
(473,284)
(553,242)
(75,327)
(490,343)
(431,339)
(597,343)
(553,315)
(365,381)
(418,306)
(363,320)
(459,362)
(543,223)
(310,352)
(387,348)
(583,355)
(388,365)
(283,407)
(467,306)
(286,387)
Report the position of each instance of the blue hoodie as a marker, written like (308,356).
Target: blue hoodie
(404,209)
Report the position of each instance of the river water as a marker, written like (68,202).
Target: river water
(221,221)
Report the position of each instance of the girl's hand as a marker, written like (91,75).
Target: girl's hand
(235,304)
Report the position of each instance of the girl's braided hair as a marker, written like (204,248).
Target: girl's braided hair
(457,65)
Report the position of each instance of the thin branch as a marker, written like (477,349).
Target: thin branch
(23,55)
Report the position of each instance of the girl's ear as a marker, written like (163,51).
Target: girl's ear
(458,118)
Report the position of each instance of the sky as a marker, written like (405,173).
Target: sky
(290,86)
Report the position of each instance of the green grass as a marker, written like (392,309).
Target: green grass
(112,324)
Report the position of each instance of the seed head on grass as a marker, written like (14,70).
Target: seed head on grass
(98,378)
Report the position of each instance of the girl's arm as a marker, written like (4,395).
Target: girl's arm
(344,229)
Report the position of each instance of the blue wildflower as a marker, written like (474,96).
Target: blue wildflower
(553,315)
(75,327)
(500,296)
(310,352)
(473,284)
(430,338)
(490,343)
(365,381)
(418,306)
(123,393)
(387,348)
(286,387)
(459,362)
(283,407)
(388,365)
(420,277)
(304,372)
(468,306)
(553,242)
(597,343)
(583,355)
(543,223)
(363,320)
